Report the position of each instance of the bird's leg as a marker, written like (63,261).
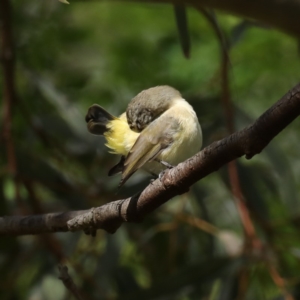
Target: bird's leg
(164,163)
(160,175)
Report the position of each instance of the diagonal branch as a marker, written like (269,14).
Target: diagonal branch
(248,141)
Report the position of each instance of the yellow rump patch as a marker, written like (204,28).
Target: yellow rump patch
(119,137)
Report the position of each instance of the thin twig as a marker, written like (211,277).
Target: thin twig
(68,282)
(229,119)
(198,223)
(279,281)
(9,95)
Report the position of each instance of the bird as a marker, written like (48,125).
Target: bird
(158,130)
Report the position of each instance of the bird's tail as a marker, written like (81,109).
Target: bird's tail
(97,119)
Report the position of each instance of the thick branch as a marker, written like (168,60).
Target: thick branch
(249,141)
(283,15)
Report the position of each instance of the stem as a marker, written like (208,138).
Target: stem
(9,95)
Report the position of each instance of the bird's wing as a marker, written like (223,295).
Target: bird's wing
(157,136)
(118,168)
(97,118)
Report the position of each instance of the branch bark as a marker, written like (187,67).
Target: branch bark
(248,141)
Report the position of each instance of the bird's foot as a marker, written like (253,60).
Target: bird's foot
(152,180)
(154,177)
(161,174)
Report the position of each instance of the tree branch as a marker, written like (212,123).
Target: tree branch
(283,15)
(68,282)
(248,141)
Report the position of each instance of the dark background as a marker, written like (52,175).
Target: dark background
(68,57)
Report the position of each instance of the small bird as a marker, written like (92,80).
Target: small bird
(158,130)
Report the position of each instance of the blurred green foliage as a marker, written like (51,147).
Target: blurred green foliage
(71,56)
